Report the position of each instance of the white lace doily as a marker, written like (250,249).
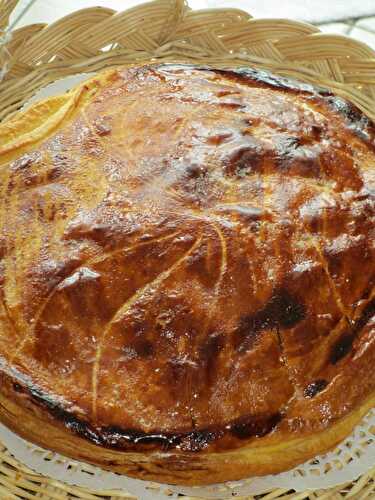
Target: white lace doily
(352,458)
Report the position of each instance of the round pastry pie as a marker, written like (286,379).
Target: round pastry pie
(187,272)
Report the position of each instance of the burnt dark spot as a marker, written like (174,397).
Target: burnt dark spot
(315,224)
(282,311)
(111,437)
(367,314)
(143,348)
(82,429)
(265,78)
(17,387)
(341,348)
(56,409)
(254,426)
(118,438)
(195,171)
(344,345)
(314,388)
(198,440)
(315,133)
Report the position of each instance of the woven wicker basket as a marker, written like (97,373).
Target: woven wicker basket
(168,30)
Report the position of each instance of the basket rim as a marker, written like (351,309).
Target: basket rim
(28,76)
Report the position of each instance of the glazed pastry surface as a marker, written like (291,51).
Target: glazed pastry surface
(187,272)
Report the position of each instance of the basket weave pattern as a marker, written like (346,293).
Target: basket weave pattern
(168,30)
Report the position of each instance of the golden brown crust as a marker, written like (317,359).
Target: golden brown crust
(187,272)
